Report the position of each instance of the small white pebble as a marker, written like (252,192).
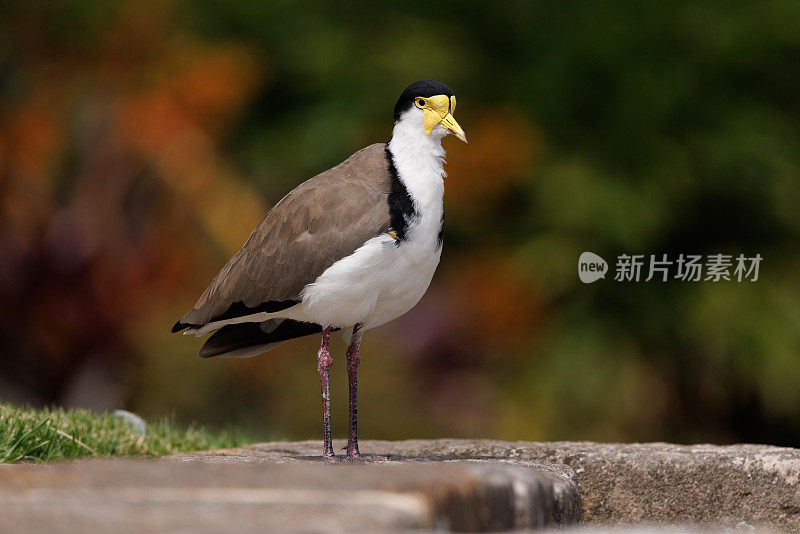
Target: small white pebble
(136,422)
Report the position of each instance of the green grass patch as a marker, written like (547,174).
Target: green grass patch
(52,434)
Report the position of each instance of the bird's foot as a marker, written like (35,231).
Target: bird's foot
(366,458)
(357,457)
(353,457)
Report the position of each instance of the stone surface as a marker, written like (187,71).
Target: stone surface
(245,492)
(743,529)
(737,486)
(427,485)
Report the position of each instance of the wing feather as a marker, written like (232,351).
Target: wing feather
(321,221)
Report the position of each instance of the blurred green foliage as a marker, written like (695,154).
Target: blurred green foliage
(624,127)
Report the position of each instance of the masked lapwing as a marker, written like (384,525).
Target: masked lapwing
(350,249)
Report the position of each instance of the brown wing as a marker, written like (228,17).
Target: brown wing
(321,221)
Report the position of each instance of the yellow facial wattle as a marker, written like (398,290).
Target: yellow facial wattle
(439,109)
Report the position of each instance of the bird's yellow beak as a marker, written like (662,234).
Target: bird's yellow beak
(452,126)
(440,109)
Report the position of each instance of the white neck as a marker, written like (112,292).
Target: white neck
(419,160)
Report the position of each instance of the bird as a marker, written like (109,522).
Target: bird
(350,249)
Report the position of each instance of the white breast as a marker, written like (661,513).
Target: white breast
(377,283)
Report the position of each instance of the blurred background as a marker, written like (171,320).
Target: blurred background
(141,141)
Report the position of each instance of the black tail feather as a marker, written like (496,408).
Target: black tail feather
(241,336)
(177,327)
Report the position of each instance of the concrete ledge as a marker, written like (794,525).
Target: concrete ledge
(427,485)
(188,495)
(737,486)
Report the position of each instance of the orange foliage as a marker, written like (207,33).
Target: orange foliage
(175,121)
(195,87)
(32,136)
(31,141)
(213,82)
(495,302)
(501,148)
(109,160)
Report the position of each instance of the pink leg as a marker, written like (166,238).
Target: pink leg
(324,364)
(353,360)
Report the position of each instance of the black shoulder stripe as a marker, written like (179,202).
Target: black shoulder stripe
(441,229)
(401,205)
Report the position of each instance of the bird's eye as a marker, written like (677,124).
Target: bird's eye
(420,103)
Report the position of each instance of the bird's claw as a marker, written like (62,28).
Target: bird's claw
(365,458)
(356,458)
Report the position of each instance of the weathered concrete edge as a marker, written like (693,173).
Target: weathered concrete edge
(733,486)
(520,497)
(493,495)
(502,497)
(464,496)
(625,483)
